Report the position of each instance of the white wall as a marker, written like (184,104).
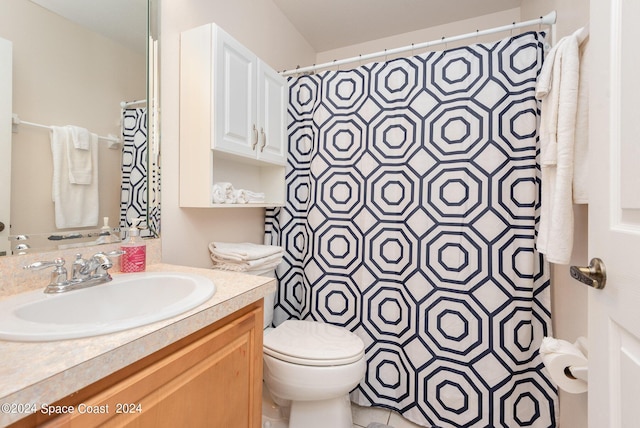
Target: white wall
(426,35)
(260,26)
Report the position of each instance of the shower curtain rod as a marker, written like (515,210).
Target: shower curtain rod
(125,104)
(16,121)
(548,19)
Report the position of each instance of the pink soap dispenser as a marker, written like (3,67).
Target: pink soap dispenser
(134,258)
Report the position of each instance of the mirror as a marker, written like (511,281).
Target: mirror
(91,65)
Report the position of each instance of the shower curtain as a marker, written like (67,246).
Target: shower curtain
(413,192)
(140,188)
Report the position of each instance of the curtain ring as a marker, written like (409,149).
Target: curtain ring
(514,24)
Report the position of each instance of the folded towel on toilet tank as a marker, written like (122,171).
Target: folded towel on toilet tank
(243,251)
(242,257)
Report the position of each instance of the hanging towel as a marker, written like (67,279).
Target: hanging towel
(76,205)
(581,150)
(79,155)
(80,136)
(557,88)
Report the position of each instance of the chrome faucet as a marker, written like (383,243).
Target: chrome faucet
(85,273)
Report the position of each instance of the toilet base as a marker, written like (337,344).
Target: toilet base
(332,413)
(273,416)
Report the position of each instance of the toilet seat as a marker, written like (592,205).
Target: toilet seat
(313,343)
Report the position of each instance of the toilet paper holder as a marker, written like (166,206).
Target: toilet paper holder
(577,372)
(567,363)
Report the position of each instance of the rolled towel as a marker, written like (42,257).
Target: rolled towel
(243,251)
(223,193)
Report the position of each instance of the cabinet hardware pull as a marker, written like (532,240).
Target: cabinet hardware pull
(264,140)
(255,137)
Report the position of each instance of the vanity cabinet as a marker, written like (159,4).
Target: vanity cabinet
(212,378)
(233,119)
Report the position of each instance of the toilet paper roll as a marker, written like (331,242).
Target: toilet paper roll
(558,356)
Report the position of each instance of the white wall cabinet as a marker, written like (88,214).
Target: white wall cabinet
(233,110)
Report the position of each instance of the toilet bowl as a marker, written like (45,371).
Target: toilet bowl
(309,369)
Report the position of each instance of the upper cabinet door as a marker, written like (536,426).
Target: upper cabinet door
(234,95)
(272,115)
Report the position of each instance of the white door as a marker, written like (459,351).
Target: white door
(6,91)
(614,214)
(273,97)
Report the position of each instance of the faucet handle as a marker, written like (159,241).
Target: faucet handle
(58,263)
(58,277)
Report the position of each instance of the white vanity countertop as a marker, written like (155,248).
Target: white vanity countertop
(40,373)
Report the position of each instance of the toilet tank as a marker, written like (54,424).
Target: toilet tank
(269,299)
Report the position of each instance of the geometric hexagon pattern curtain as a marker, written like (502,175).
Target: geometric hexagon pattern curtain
(140,186)
(413,192)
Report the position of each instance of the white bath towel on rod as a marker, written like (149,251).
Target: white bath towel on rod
(76,205)
(79,155)
(557,88)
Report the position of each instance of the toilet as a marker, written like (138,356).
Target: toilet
(309,369)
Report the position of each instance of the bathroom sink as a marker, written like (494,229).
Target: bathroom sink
(130,300)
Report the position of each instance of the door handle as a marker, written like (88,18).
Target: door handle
(594,275)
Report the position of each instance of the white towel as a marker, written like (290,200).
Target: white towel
(223,193)
(246,196)
(227,264)
(557,87)
(79,155)
(581,150)
(76,205)
(80,137)
(245,267)
(243,251)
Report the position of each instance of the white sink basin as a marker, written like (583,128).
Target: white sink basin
(130,300)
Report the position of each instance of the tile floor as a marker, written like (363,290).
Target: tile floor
(363,416)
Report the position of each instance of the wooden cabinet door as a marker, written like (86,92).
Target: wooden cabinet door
(213,382)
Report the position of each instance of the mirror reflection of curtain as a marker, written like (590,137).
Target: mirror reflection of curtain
(139,199)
